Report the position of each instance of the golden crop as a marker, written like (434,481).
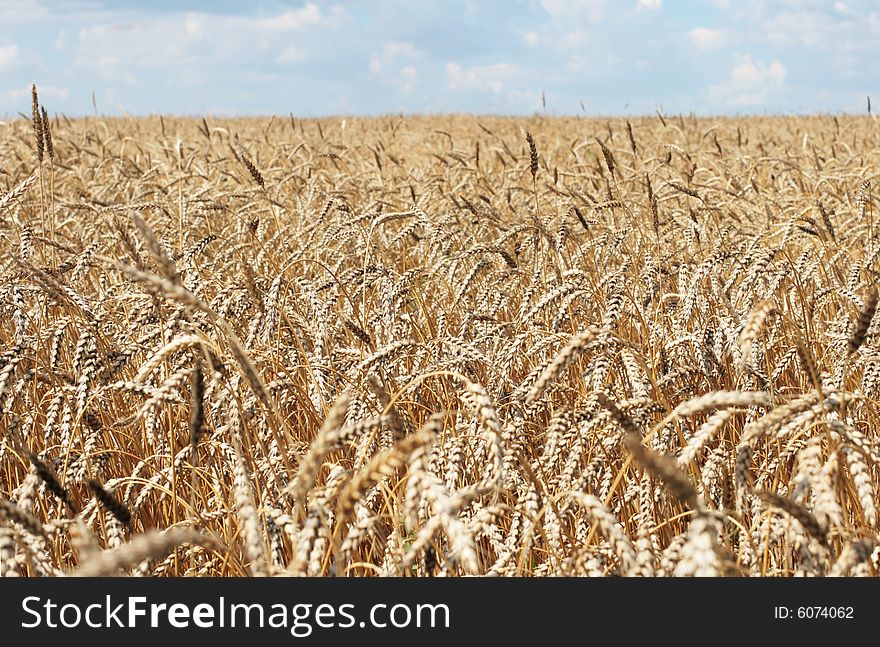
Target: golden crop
(439,345)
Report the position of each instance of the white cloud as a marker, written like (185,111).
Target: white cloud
(705,38)
(45,91)
(752,84)
(390,52)
(531,38)
(752,73)
(8,55)
(300,19)
(193,25)
(848,65)
(310,14)
(842,9)
(591,10)
(115,49)
(291,55)
(524,100)
(22,11)
(391,65)
(650,5)
(798,3)
(808,28)
(408,79)
(480,77)
(185,44)
(573,39)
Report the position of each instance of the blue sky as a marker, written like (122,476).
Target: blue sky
(595,57)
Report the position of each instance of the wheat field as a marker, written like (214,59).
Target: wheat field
(439,346)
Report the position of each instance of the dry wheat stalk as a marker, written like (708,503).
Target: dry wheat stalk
(149,544)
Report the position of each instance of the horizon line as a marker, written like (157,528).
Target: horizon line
(9,118)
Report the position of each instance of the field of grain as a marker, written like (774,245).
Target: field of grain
(439,346)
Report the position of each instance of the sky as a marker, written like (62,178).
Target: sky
(513,57)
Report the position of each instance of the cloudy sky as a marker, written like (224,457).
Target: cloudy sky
(224,57)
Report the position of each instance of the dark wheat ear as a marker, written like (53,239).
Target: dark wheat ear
(533,156)
(606,153)
(197,403)
(632,138)
(652,203)
(38,123)
(807,519)
(47,476)
(47,134)
(808,364)
(863,197)
(110,502)
(26,520)
(826,220)
(254,172)
(665,468)
(863,323)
